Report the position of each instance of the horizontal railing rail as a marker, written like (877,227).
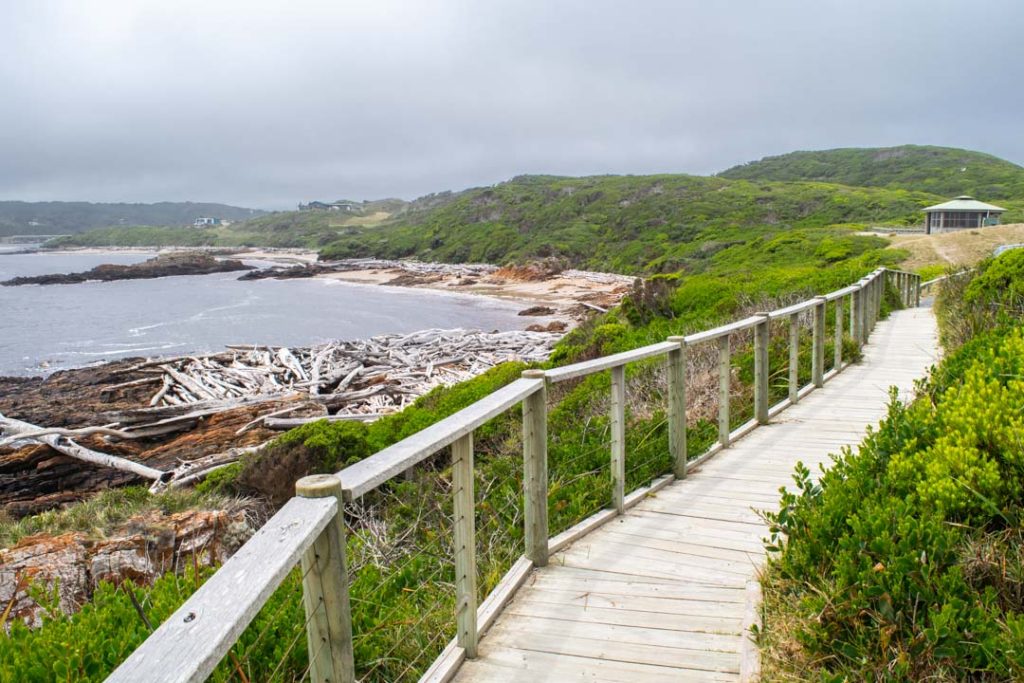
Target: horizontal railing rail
(928,284)
(311,526)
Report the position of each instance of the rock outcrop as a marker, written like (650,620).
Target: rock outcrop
(146,547)
(163,265)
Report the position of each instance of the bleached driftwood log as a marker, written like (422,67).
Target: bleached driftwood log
(65,445)
(187,471)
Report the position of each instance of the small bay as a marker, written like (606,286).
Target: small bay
(53,327)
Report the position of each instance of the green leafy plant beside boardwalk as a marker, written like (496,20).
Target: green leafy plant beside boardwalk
(906,561)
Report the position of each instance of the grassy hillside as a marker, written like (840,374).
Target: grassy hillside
(632,224)
(943,171)
(54,218)
(309,229)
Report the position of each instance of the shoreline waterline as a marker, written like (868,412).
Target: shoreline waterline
(58,327)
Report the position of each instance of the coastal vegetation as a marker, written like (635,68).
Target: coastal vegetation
(844,598)
(399,539)
(630,224)
(55,218)
(904,562)
(943,171)
(643,224)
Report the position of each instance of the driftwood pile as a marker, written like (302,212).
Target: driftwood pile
(372,376)
(361,379)
(416,267)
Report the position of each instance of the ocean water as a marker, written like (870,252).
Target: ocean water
(52,327)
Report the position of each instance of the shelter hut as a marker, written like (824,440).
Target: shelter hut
(961,213)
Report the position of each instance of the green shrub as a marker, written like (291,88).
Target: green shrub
(872,582)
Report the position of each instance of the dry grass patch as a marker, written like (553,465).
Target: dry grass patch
(963,248)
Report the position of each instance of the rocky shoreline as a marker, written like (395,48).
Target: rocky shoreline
(186,417)
(161,265)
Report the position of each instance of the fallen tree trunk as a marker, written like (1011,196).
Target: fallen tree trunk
(281,423)
(66,446)
(60,431)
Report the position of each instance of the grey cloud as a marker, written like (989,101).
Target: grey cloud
(266,104)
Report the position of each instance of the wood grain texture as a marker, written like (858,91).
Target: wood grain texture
(676,369)
(464,528)
(325,592)
(196,637)
(535,473)
(667,590)
(368,474)
(605,362)
(617,418)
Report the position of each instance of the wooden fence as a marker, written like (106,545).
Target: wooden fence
(310,528)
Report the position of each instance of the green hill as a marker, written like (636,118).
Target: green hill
(53,218)
(662,223)
(943,171)
(630,224)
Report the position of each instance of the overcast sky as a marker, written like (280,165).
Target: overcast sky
(266,104)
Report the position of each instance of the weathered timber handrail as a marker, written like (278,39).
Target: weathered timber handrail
(368,474)
(607,362)
(937,280)
(193,640)
(310,527)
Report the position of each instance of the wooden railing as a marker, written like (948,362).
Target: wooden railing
(926,287)
(310,528)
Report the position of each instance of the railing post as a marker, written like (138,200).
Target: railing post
(853,315)
(794,358)
(866,328)
(465,544)
(857,315)
(879,295)
(917,291)
(325,590)
(677,407)
(818,357)
(870,323)
(618,421)
(837,352)
(724,389)
(535,471)
(761,331)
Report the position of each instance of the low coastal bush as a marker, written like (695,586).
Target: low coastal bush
(904,562)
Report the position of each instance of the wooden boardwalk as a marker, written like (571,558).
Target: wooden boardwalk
(665,591)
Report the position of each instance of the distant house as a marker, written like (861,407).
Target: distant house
(341,205)
(961,213)
(205,222)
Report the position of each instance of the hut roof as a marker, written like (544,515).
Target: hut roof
(965,203)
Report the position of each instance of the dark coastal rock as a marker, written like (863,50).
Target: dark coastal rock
(163,265)
(553,326)
(537,310)
(141,550)
(295,272)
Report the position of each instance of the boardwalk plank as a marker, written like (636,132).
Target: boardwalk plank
(659,593)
